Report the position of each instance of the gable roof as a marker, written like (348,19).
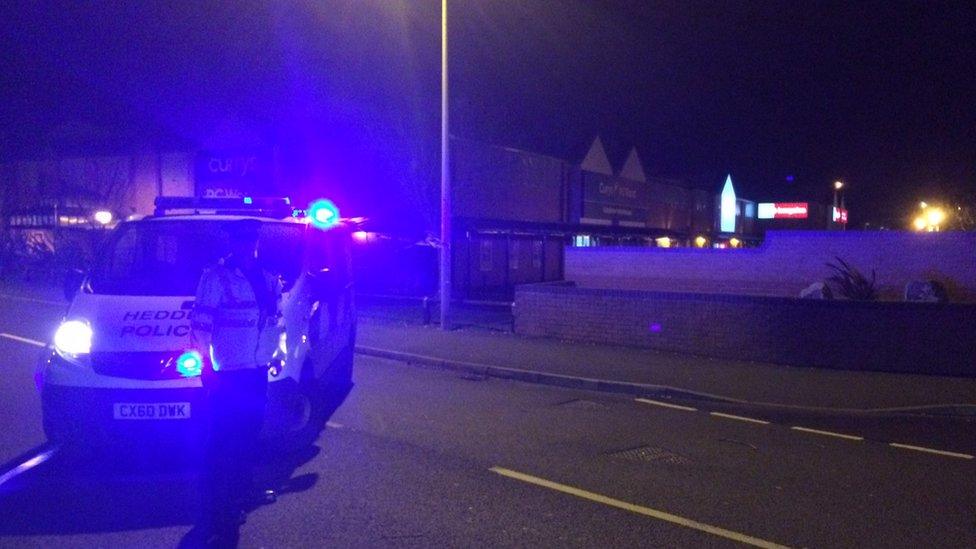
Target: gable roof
(596,160)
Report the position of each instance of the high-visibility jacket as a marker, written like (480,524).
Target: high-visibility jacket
(228,322)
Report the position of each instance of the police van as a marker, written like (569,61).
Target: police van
(121,364)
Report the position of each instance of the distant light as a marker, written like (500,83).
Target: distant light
(734,242)
(790,178)
(360,236)
(935,216)
(701,241)
(838,185)
(189,364)
(248,200)
(663,242)
(323,213)
(103,217)
(920,223)
(655,327)
(923,205)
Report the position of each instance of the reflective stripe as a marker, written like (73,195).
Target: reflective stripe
(241,305)
(235,323)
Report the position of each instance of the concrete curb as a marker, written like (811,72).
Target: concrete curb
(646,389)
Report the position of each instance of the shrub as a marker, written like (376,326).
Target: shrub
(851,283)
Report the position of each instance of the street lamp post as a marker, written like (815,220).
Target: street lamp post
(445,250)
(838,185)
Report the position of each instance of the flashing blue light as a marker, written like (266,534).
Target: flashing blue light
(248,200)
(323,214)
(189,364)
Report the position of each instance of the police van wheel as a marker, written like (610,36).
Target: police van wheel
(303,411)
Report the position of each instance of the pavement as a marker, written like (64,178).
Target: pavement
(482,344)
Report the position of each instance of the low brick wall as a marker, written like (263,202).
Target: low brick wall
(922,338)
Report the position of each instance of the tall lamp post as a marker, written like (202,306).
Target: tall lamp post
(838,206)
(445,255)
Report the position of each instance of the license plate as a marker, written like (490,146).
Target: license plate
(152,410)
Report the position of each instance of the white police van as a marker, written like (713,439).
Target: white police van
(118,367)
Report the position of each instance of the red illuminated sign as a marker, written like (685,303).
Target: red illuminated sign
(783,210)
(840,215)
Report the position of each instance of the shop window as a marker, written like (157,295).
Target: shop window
(582,241)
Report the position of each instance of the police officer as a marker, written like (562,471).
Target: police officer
(235,325)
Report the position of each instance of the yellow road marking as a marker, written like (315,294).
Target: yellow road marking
(26,340)
(826,433)
(666,404)
(639,509)
(738,418)
(930,450)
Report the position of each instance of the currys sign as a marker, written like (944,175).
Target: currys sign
(783,210)
(233,173)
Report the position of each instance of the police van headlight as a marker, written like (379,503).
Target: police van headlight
(73,338)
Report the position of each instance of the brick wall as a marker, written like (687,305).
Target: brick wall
(786,263)
(884,336)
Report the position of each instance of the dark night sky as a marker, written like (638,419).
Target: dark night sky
(879,94)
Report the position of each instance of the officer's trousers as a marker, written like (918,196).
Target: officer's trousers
(236,403)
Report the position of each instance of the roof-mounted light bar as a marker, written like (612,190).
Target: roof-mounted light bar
(247,205)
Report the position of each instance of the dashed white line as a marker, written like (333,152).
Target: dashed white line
(666,405)
(26,340)
(738,418)
(930,450)
(826,433)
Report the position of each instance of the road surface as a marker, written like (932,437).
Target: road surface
(420,458)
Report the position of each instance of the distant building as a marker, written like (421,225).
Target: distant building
(514,211)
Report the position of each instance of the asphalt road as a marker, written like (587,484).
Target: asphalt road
(419,458)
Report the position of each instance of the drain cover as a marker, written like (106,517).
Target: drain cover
(650,454)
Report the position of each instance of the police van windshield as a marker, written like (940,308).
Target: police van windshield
(166,257)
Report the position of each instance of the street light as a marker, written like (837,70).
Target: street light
(930,219)
(103,217)
(445,256)
(935,217)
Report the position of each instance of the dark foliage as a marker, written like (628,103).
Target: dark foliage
(851,283)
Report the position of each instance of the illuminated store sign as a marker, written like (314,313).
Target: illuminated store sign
(840,215)
(783,210)
(727,208)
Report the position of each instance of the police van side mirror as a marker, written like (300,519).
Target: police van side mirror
(72,283)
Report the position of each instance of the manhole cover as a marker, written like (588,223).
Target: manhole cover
(650,454)
(580,404)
